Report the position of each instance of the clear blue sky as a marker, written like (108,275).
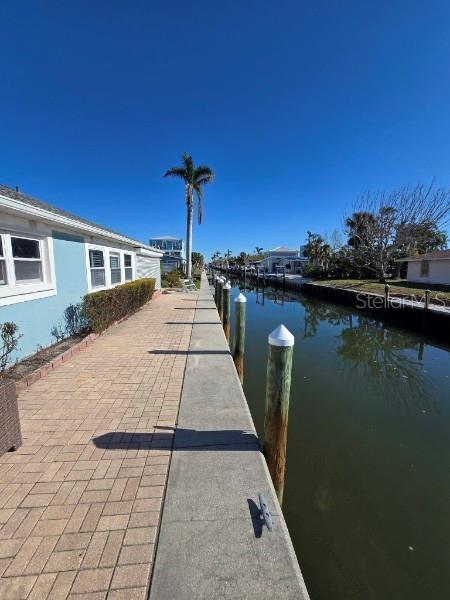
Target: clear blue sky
(298,106)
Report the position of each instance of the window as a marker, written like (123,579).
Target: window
(3,279)
(26,267)
(114,264)
(97,266)
(27,259)
(424,268)
(128,267)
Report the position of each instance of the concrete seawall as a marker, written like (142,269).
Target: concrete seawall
(211,543)
(398,311)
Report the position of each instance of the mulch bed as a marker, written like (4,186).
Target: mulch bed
(32,363)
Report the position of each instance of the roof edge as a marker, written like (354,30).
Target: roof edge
(72,222)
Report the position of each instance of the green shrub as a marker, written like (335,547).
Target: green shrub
(171,279)
(315,272)
(102,309)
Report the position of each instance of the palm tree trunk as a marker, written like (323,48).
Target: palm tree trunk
(190,210)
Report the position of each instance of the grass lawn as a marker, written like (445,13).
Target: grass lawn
(398,287)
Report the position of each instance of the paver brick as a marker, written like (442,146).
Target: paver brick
(128,594)
(140,535)
(16,588)
(92,580)
(126,576)
(80,501)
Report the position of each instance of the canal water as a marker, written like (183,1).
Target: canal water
(367,494)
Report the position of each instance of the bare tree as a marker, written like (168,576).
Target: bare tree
(386,217)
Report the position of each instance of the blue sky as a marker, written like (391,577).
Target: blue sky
(298,107)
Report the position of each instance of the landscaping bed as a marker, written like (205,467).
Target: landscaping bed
(21,370)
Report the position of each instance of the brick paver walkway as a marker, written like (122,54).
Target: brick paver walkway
(80,501)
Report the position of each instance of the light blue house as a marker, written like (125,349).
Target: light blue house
(49,259)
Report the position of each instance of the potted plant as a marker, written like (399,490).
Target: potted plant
(10,434)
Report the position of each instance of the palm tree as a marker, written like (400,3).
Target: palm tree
(360,228)
(258,249)
(194,178)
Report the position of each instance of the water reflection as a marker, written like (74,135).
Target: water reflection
(367,483)
(317,312)
(391,356)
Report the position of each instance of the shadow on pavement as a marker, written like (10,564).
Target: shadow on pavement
(188,352)
(185,439)
(193,323)
(255,514)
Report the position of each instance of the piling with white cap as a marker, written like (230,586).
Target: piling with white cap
(220,283)
(226,301)
(240,303)
(278,389)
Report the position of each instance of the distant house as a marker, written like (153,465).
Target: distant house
(292,260)
(433,267)
(173,249)
(49,259)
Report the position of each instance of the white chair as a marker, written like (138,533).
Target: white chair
(188,285)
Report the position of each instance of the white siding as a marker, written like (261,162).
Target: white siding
(147,266)
(439,272)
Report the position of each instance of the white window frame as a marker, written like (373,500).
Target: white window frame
(120,268)
(107,252)
(91,268)
(130,254)
(14,292)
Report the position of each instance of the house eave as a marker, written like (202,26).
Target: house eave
(145,251)
(35,212)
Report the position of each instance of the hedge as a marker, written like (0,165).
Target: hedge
(103,308)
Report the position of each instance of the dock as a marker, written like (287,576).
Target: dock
(212,541)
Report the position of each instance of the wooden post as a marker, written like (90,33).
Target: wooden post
(427,299)
(239,334)
(421,350)
(386,295)
(278,389)
(216,281)
(220,283)
(226,301)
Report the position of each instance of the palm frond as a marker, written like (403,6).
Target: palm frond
(203,180)
(205,173)
(176,172)
(199,192)
(189,166)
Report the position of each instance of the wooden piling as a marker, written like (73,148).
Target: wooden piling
(226,301)
(427,299)
(239,334)
(278,388)
(386,295)
(216,279)
(220,284)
